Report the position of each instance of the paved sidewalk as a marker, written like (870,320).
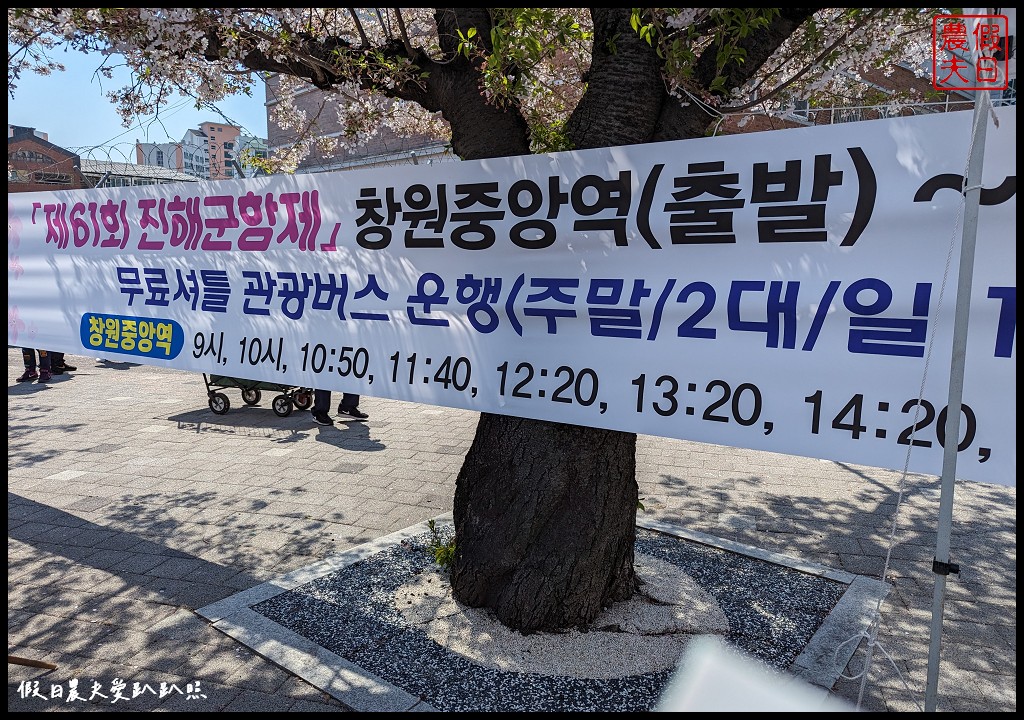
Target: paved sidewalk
(130,505)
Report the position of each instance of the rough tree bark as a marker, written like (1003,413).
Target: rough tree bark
(545,516)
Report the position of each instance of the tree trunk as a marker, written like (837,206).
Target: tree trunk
(545,513)
(545,519)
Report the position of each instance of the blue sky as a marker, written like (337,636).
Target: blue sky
(72,109)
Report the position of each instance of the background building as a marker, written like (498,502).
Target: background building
(386,149)
(104,173)
(35,164)
(872,96)
(213,151)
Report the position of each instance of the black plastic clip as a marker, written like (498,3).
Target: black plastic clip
(941,568)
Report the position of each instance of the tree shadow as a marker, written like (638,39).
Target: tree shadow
(102,602)
(17,456)
(28,389)
(128,555)
(83,595)
(253,420)
(354,436)
(115,364)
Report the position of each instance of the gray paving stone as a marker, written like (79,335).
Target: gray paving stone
(257,674)
(204,500)
(138,563)
(305,706)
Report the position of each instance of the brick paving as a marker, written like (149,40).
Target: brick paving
(130,505)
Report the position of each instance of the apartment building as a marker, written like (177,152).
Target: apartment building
(213,151)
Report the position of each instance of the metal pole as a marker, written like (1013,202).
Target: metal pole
(941,565)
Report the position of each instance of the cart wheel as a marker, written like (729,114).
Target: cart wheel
(302,398)
(251,397)
(282,406)
(219,403)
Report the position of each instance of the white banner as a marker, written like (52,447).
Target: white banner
(774,290)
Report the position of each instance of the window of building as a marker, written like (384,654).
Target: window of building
(51,178)
(32,156)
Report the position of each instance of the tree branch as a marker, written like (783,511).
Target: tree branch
(405,34)
(806,68)
(359,27)
(758,47)
(678,121)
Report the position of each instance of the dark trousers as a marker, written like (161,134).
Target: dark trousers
(45,358)
(322,401)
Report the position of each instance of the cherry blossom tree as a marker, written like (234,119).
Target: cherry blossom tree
(544,512)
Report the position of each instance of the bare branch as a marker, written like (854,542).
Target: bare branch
(359,27)
(405,34)
(384,25)
(806,68)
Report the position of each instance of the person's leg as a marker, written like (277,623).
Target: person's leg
(58,365)
(349,407)
(29,356)
(322,407)
(44,366)
(348,401)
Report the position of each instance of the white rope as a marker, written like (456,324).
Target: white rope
(872,635)
(713,112)
(863,673)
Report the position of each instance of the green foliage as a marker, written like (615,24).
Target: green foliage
(441,547)
(466,44)
(822,61)
(549,138)
(720,29)
(520,42)
(645,31)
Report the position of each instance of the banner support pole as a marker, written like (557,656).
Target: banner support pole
(941,565)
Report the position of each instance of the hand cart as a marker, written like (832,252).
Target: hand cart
(288,396)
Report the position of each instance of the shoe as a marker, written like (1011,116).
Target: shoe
(28,375)
(44,376)
(324,419)
(67,368)
(354,413)
(58,371)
